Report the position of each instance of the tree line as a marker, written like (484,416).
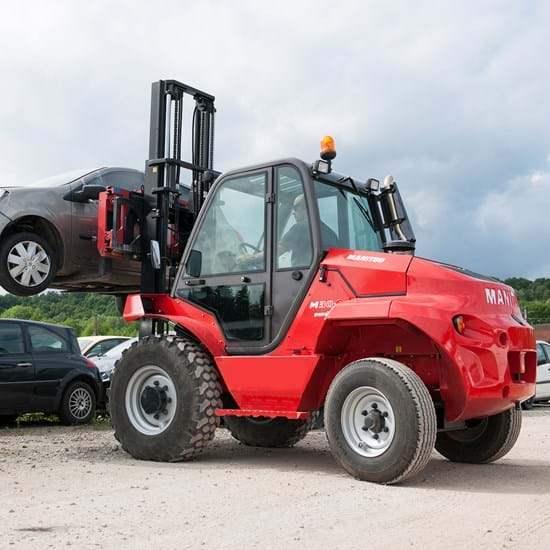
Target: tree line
(92,314)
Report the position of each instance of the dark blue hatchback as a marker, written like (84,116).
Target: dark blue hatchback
(42,370)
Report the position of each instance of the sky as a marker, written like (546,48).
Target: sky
(451,98)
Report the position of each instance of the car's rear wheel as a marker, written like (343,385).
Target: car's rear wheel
(78,404)
(27,264)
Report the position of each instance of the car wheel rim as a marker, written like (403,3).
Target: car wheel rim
(28,263)
(80,403)
(368,421)
(151,400)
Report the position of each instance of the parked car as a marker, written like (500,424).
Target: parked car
(94,346)
(42,370)
(543,376)
(106,362)
(48,233)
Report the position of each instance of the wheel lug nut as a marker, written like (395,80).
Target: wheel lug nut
(386,430)
(164,388)
(165,412)
(385,414)
(375,436)
(156,417)
(364,413)
(156,382)
(374,406)
(169,400)
(364,428)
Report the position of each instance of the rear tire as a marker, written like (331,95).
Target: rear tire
(78,404)
(486,441)
(268,432)
(173,420)
(19,248)
(380,421)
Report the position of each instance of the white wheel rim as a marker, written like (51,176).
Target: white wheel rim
(146,380)
(80,403)
(28,263)
(368,421)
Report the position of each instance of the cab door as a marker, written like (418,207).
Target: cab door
(228,266)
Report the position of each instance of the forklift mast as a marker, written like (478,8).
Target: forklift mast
(166,220)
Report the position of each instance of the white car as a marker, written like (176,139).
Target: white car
(542,392)
(93,346)
(106,362)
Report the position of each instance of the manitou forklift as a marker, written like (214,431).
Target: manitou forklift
(274,291)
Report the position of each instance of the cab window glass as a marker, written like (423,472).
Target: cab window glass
(45,340)
(294,244)
(231,238)
(11,339)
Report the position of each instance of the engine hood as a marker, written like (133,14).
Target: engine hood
(471,291)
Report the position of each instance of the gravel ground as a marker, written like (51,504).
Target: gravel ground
(65,487)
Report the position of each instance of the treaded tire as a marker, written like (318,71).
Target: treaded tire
(7,281)
(490,440)
(414,420)
(271,432)
(198,391)
(65,413)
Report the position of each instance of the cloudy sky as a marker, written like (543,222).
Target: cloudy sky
(452,98)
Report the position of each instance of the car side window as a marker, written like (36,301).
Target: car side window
(547,350)
(11,339)
(44,340)
(127,179)
(103,347)
(541,358)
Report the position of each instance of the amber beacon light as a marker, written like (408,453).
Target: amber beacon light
(328,149)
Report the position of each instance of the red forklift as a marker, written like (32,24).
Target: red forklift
(275,291)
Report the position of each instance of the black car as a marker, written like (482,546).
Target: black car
(42,370)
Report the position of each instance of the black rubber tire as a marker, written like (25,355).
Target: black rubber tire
(198,395)
(269,432)
(6,280)
(65,414)
(528,404)
(8,420)
(490,439)
(415,420)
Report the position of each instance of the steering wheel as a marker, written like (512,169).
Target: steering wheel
(243,247)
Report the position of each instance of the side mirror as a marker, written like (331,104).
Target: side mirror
(193,266)
(87,192)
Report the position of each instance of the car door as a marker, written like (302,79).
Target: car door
(543,374)
(16,369)
(53,359)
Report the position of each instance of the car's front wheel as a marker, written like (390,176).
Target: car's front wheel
(27,264)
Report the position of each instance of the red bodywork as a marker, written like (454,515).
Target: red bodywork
(374,304)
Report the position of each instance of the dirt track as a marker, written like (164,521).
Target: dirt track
(63,487)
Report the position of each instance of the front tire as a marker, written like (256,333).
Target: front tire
(164,393)
(78,404)
(380,421)
(486,440)
(268,432)
(27,264)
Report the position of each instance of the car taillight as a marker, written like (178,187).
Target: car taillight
(90,363)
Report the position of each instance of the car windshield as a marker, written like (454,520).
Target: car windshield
(117,350)
(346,214)
(83,342)
(62,179)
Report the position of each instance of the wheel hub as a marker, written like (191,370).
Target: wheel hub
(374,421)
(154,399)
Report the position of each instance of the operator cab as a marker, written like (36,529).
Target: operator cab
(261,236)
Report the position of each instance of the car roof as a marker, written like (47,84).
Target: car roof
(39,323)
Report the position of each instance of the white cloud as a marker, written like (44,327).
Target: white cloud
(451,98)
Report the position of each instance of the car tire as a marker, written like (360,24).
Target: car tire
(8,420)
(78,404)
(26,280)
(380,421)
(163,399)
(486,440)
(268,432)
(528,404)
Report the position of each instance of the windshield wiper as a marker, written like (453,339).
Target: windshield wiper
(365,213)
